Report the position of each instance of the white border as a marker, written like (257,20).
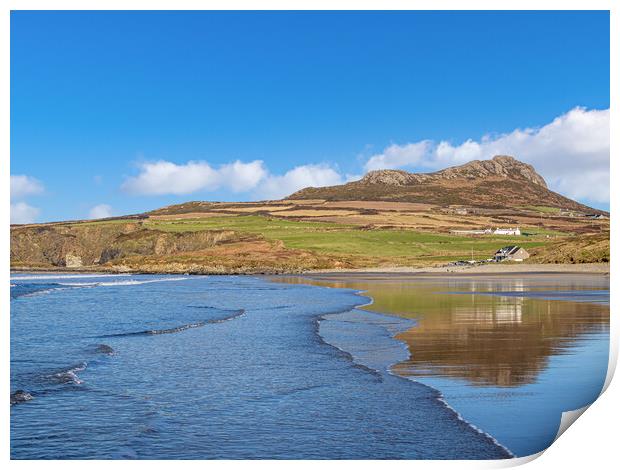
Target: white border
(590,443)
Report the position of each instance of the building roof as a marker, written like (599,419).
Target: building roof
(508,250)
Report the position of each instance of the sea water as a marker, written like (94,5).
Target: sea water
(204,367)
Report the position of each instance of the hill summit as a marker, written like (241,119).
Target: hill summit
(501,182)
(503,166)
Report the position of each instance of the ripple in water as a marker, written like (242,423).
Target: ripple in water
(255,381)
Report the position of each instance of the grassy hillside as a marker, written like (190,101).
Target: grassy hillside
(356,244)
(592,248)
(294,236)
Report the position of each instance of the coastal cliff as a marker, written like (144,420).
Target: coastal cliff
(133,247)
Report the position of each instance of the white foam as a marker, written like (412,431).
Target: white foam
(61,276)
(441,399)
(70,375)
(131,282)
(43,292)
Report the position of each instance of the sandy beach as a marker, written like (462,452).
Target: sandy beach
(491,268)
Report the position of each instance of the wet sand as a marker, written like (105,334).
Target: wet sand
(503,346)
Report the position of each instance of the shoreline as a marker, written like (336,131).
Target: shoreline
(589,268)
(389,367)
(495,268)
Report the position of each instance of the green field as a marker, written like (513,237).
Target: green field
(329,238)
(543,209)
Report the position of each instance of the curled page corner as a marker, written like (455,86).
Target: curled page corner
(517,461)
(568,418)
(611,368)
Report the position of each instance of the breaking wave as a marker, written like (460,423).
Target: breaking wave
(131,282)
(68,375)
(44,277)
(178,329)
(33,289)
(29,289)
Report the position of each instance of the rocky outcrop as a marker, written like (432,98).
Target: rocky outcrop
(82,245)
(65,245)
(502,166)
(73,261)
(501,182)
(147,242)
(390,177)
(20,396)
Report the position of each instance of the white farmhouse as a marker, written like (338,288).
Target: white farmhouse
(486,231)
(507,231)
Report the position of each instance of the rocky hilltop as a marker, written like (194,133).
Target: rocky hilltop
(501,182)
(502,166)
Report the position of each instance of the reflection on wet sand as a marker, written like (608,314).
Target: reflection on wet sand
(462,332)
(510,353)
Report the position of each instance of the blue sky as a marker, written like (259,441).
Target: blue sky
(108,109)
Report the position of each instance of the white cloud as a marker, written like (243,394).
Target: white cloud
(278,186)
(164,177)
(352,177)
(240,177)
(100,211)
(397,156)
(22,213)
(571,153)
(23,185)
